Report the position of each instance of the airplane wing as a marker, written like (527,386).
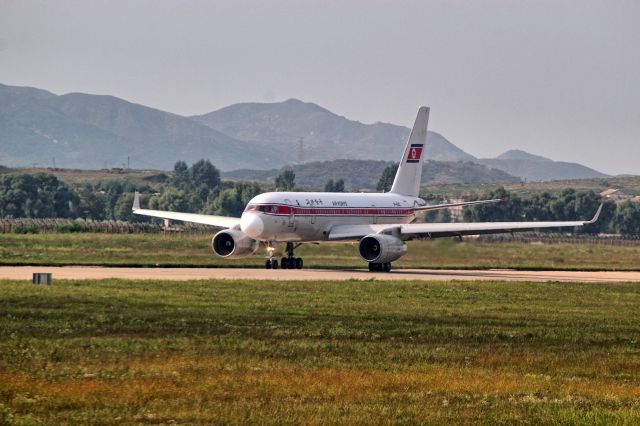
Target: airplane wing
(205,219)
(439,230)
(463,203)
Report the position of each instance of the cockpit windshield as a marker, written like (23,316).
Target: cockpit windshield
(261,208)
(257,208)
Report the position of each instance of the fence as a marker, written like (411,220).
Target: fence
(106,226)
(558,238)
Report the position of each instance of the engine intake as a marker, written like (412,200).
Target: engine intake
(379,248)
(233,244)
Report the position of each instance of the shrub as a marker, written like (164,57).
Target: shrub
(25,229)
(71,227)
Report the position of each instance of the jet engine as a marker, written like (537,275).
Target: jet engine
(380,248)
(233,244)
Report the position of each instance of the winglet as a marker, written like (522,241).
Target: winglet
(136,201)
(596,216)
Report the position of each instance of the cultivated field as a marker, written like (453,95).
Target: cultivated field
(195,250)
(114,352)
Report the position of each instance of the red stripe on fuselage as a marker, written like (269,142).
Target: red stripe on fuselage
(279,209)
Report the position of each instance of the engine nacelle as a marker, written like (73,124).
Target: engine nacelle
(233,244)
(380,248)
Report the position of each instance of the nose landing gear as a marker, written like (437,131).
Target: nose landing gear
(272,261)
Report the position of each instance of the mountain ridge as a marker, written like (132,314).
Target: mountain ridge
(87,131)
(81,130)
(364,174)
(322,131)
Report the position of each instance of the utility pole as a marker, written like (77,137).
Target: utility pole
(128,162)
(54,162)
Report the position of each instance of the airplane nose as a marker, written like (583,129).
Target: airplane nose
(252,225)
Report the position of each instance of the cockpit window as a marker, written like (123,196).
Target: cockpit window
(260,208)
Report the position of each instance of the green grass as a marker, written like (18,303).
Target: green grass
(223,352)
(195,250)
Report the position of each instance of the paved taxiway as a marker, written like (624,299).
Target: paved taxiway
(182,274)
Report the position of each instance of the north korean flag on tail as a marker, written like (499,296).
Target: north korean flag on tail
(415,153)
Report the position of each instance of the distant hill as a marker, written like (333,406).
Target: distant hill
(518,154)
(364,174)
(90,131)
(94,132)
(537,168)
(327,136)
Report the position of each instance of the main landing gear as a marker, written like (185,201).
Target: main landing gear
(288,262)
(380,267)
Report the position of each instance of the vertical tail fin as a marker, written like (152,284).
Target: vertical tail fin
(407,180)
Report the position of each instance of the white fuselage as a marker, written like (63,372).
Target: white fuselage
(310,216)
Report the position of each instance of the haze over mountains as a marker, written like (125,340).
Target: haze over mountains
(364,174)
(93,131)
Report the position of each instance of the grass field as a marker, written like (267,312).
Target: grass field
(122,352)
(195,250)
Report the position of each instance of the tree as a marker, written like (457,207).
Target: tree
(231,202)
(627,218)
(388,175)
(180,178)
(438,216)
(337,186)
(172,199)
(507,211)
(285,181)
(92,203)
(203,172)
(39,195)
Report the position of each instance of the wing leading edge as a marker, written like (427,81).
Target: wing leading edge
(205,219)
(439,230)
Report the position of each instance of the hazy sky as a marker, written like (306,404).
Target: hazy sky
(555,78)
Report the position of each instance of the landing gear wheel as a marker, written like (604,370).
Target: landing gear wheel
(274,264)
(267,264)
(380,267)
(290,261)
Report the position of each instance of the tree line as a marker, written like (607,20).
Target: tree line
(199,189)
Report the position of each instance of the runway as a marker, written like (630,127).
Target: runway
(184,274)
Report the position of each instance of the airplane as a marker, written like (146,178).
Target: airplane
(381,223)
